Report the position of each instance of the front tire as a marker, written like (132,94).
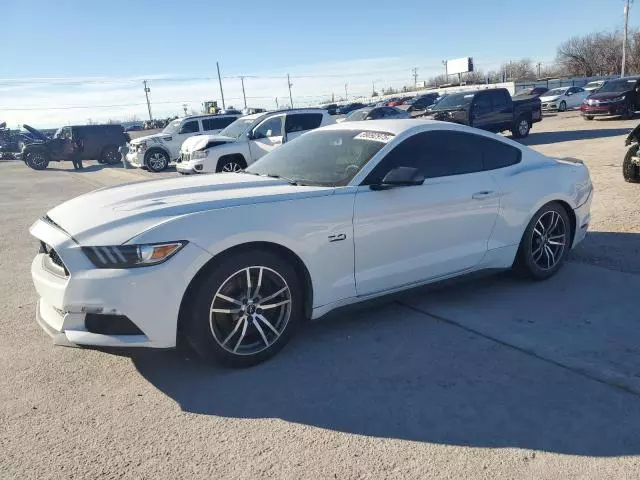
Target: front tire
(587,117)
(156,160)
(631,171)
(37,160)
(246,309)
(562,107)
(545,244)
(521,128)
(231,163)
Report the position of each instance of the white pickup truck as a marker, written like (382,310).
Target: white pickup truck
(156,151)
(247,139)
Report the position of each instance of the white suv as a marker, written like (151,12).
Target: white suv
(247,139)
(156,151)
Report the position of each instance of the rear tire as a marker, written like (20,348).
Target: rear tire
(521,128)
(631,171)
(545,243)
(111,155)
(241,323)
(157,160)
(562,107)
(37,160)
(231,163)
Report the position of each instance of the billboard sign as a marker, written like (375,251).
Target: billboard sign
(460,65)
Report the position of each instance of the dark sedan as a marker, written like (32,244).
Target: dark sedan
(531,92)
(348,108)
(617,98)
(422,102)
(376,113)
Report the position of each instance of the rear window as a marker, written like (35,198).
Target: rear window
(217,123)
(300,122)
(498,155)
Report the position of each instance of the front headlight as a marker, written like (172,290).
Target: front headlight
(619,99)
(132,256)
(199,154)
(585,101)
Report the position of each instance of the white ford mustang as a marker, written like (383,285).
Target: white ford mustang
(233,262)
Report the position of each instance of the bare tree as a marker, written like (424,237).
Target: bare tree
(518,70)
(597,53)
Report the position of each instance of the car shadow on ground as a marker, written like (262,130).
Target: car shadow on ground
(613,250)
(93,167)
(386,370)
(542,138)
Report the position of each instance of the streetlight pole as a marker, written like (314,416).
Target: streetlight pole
(624,40)
(290,84)
(220,82)
(146,93)
(346,94)
(243,94)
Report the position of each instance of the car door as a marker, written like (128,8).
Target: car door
(187,129)
(266,136)
(502,108)
(296,124)
(574,97)
(481,111)
(408,235)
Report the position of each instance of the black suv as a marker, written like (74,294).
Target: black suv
(99,142)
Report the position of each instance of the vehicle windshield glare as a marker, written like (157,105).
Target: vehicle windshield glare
(358,115)
(454,100)
(58,133)
(617,86)
(556,92)
(172,127)
(238,128)
(323,158)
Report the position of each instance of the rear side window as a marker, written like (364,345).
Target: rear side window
(498,99)
(498,155)
(434,154)
(216,123)
(300,122)
(189,127)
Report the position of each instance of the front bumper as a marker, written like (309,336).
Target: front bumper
(149,297)
(136,159)
(611,109)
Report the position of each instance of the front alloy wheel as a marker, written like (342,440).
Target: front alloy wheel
(231,167)
(157,161)
(250,310)
(244,309)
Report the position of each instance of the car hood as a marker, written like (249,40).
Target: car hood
(36,133)
(199,142)
(115,215)
(551,98)
(156,137)
(606,95)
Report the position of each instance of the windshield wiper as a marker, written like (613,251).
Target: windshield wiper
(290,181)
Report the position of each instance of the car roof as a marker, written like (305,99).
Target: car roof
(255,116)
(395,127)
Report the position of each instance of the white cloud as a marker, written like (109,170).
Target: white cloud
(54,101)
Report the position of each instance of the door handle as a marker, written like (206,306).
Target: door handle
(484,194)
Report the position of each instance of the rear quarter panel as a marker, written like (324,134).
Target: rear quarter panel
(525,188)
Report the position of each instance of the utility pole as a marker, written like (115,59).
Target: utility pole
(277,106)
(539,63)
(346,94)
(243,94)
(146,93)
(446,71)
(289,84)
(414,72)
(184,107)
(627,6)
(220,82)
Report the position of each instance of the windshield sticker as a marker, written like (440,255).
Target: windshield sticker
(377,136)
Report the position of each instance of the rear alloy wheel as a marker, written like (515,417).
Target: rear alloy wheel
(562,107)
(246,311)
(545,243)
(157,160)
(521,128)
(111,156)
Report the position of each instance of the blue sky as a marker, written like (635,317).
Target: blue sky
(61,54)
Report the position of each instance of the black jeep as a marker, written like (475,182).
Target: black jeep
(99,142)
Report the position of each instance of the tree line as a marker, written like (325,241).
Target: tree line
(594,54)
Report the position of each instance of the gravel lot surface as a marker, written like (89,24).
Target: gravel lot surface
(490,379)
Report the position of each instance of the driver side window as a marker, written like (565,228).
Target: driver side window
(434,154)
(269,128)
(190,127)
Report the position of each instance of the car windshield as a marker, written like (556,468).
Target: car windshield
(454,100)
(357,115)
(556,92)
(172,128)
(324,158)
(617,86)
(593,84)
(238,128)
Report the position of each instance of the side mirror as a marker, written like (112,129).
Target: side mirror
(569,94)
(400,177)
(249,135)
